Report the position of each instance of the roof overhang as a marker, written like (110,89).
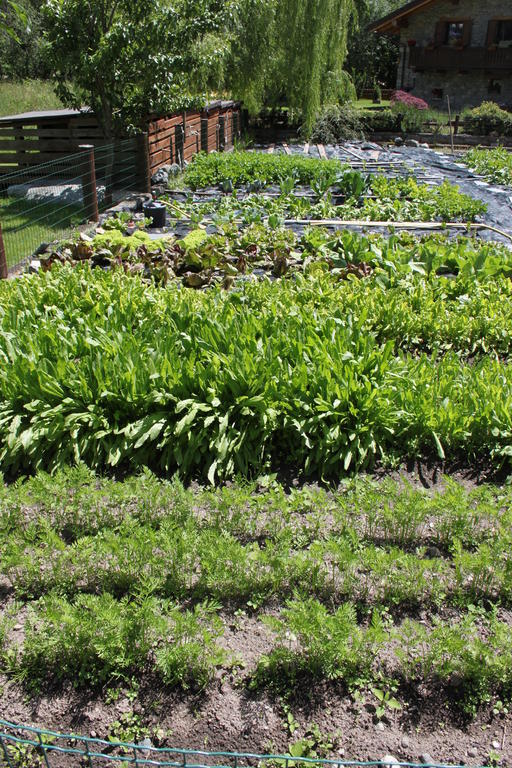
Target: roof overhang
(393,22)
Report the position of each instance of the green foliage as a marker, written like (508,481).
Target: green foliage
(376,120)
(406,200)
(97,639)
(22,58)
(126,60)
(410,118)
(337,123)
(246,167)
(327,645)
(210,396)
(458,654)
(12,11)
(486,119)
(495,164)
(271,64)
(121,563)
(128,729)
(188,657)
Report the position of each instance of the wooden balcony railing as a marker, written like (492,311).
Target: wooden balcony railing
(443,57)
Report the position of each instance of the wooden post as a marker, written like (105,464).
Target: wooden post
(450,123)
(3,259)
(89,183)
(204,134)
(222,133)
(179,144)
(144,162)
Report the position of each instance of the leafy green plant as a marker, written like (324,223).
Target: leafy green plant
(328,645)
(495,164)
(128,728)
(387,703)
(486,119)
(244,167)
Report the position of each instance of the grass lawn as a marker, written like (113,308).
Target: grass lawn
(370,104)
(27,96)
(26,224)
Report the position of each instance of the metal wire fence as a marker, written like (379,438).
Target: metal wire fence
(23,746)
(47,201)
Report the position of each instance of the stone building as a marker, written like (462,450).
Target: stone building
(456,48)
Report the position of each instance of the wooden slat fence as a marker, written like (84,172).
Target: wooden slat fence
(34,138)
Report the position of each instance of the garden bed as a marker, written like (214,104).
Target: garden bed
(349,623)
(330,574)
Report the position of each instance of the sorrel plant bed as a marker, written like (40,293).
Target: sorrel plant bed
(369,617)
(104,368)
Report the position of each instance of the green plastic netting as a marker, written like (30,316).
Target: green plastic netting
(23,746)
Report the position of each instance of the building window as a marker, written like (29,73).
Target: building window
(499,33)
(504,32)
(454,33)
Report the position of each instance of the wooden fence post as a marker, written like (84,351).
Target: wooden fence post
(204,134)
(222,133)
(144,162)
(179,144)
(3,259)
(89,192)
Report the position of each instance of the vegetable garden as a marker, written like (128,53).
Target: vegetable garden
(293,587)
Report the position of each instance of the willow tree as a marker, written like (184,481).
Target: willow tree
(292,52)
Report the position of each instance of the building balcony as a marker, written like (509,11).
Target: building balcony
(465,59)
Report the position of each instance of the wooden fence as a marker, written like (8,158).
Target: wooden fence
(177,138)
(32,138)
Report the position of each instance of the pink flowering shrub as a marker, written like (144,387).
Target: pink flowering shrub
(402,97)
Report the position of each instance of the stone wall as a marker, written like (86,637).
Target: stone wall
(464,88)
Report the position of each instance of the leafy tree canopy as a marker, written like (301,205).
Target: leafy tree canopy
(125,58)
(11,8)
(372,58)
(291,52)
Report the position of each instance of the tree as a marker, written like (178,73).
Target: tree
(372,58)
(21,51)
(125,58)
(11,9)
(290,52)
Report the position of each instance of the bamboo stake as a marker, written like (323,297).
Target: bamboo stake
(419,225)
(351,152)
(172,205)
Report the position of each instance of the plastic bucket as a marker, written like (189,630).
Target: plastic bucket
(156,212)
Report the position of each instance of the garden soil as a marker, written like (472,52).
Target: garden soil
(228,716)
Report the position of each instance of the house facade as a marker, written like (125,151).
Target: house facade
(456,48)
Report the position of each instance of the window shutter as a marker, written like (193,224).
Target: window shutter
(440,34)
(492,32)
(466,33)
